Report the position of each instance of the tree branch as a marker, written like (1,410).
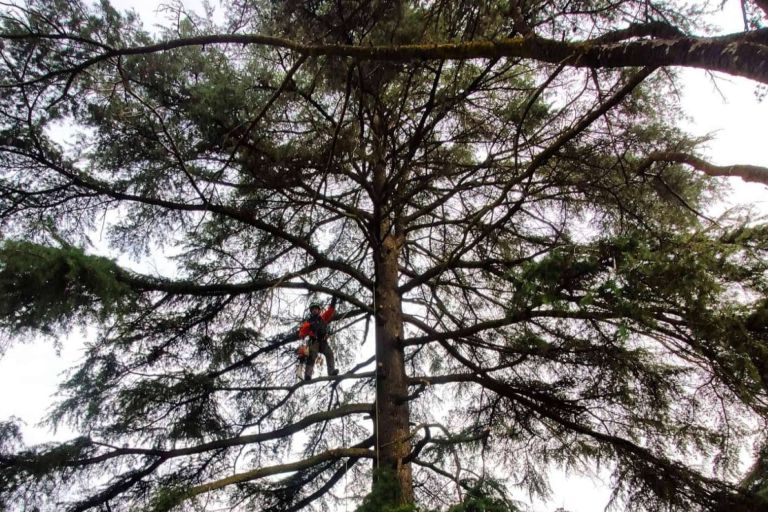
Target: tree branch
(301,504)
(751,173)
(248,218)
(517,317)
(121,486)
(538,161)
(655,29)
(742,53)
(334,453)
(288,430)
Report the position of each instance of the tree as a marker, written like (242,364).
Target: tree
(514,218)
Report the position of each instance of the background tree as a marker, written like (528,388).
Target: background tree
(523,237)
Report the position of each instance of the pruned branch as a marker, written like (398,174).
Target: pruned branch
(248,476)
(751,173)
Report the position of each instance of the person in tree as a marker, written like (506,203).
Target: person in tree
(316,328)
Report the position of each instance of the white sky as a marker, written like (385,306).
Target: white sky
(29,373)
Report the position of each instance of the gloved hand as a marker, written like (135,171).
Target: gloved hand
(333,302)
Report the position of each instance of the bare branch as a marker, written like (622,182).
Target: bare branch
(332,454)
(751,173)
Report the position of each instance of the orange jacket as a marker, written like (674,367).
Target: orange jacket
(305,329)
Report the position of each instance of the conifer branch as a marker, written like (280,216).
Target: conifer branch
(741,54)
(248,476)
(287,430)
(750,173)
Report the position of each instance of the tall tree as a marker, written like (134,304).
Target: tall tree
(513,218)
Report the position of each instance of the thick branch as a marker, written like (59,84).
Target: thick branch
(752,173)
(288,430)
(100,187)
(121,486)
(149,283)
(514,318)
(657,29)
(622,446)
(538,161)
(742,54)
(430,380)
(547,407)
(301,504)
(255,474)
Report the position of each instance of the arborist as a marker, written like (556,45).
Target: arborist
(315,327)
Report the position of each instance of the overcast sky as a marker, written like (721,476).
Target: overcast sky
(29,373)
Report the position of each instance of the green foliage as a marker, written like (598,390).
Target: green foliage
(50,466)
(10,435)
(485,495)
(386,495)
(563,292)
(633,276)
(756,481)
(42,288)
(166,499)
(482,495)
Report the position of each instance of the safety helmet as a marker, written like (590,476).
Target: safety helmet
(315,305)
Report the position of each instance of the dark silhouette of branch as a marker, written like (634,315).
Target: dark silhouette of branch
(285,431)
(742,54)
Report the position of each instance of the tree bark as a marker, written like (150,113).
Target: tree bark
(751,173)
(392,412)
(741,54)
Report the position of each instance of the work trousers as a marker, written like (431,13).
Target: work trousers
(320,346)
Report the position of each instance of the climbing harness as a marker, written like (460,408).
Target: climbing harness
(319,328)
(320,334)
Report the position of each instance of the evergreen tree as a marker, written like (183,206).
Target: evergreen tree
(514,220)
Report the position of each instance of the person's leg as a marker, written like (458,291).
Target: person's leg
(327,351)
(314,348)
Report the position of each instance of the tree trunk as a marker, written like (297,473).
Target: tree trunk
(392,432)
(391,413)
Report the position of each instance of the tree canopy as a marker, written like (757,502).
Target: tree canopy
(518,237)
